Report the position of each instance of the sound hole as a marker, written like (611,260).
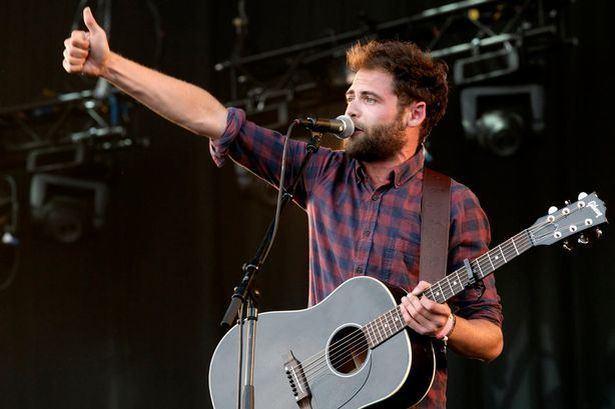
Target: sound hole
(347,350)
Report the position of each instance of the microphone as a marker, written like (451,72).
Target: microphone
(342,126)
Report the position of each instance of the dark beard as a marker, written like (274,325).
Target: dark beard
(377,144)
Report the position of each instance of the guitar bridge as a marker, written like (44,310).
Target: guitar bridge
(297,380)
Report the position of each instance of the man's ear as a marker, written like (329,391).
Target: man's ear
(415,114)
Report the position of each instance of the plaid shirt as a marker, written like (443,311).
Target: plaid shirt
(356,229)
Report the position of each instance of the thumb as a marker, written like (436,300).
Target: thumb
(89,21)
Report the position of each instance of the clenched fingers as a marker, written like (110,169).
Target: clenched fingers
(70,68)
(79,39)
(74,51)
(73,60)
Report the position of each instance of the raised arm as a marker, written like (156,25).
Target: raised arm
(191,107)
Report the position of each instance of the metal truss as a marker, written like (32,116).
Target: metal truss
(60,132)
(481,39)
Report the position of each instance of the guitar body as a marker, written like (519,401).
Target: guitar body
(394,374)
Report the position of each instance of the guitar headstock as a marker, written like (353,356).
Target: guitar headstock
(588,212)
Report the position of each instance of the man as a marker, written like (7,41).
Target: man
(363,204)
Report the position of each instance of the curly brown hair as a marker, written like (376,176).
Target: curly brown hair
(416,75)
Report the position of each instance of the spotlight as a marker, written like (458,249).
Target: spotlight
(500,118)
(500,131)
(67,209)
(486,65)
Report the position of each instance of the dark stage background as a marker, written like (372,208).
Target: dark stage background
(128,318)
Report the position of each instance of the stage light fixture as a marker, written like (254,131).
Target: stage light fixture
(66,208)
(501,118)
(486,65)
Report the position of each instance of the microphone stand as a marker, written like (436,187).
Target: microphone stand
(244,301)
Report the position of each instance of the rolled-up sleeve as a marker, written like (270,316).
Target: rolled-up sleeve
(219,148)
(255,148)
(260,151)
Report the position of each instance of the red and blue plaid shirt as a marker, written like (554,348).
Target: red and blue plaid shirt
(356,229)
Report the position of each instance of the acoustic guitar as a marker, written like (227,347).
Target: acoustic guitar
(353,349)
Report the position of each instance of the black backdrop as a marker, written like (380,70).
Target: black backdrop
(128,318)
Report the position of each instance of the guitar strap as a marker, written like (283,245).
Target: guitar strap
(435,225)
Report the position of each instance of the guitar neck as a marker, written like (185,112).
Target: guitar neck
(479,268)
(391,322)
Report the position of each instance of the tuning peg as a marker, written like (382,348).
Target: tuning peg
(582,196)
(598,232)
(567,202)
(552,209)
(583,239)
(567,246)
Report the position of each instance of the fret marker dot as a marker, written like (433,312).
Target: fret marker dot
(437,292)
(454,282)
(497,257)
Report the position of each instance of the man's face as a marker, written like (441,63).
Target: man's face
(373,107)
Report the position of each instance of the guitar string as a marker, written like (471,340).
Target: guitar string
(477,260)
(358,337)
(507,245)
(309,370)
(315,375)
(341,343)
(307,363)
(312,373)
(315,372)
(336,359)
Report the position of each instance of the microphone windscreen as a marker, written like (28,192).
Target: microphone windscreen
(348,127)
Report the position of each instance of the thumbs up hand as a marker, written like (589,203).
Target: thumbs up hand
(86,52)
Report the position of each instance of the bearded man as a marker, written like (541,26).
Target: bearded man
(363,203)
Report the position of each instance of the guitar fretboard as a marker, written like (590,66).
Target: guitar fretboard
(391,322)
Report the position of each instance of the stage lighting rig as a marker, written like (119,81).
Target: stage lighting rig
(59,133)
(480,39)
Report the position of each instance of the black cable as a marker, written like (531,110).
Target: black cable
(281,192)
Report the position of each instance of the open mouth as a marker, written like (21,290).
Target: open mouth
(357,130)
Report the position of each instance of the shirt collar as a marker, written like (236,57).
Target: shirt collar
(400,174)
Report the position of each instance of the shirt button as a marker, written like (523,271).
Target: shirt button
(366,233)
(359,270)
(375,196)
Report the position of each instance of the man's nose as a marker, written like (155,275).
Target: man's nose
(351,110)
